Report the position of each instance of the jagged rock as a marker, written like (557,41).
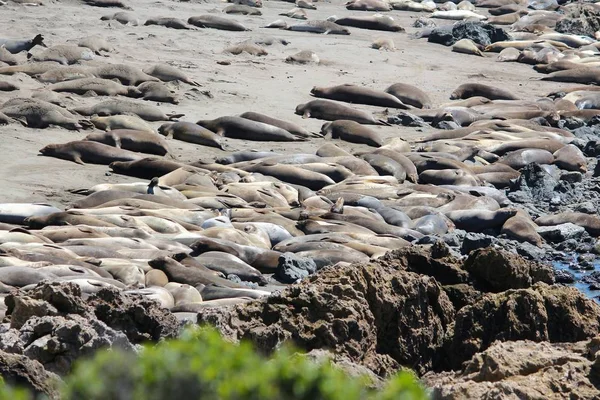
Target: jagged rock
(474,241)
(535,185)
(562,276)
(522,370)
(406,119)
(291,268)
(540,313)
(462,295)
(561,233)
(345,364)
(580,20)
(139,318)
(444,267)
(479,32)
(376,315)
(499,270)
(21,371)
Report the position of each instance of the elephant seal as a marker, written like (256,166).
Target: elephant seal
(359,95)
(15,46)
(590,222)
(522,228)
(479,220)
(40,114)
(191,133)
(318,26)
(229,264)
(410,95)
(167,73)
(138,141)
(127,74)
(241,9)
(306,4)
(456,177)
(183,293)
(118,107)
(383,43)
(173,23)
(19,276)
(285,125)
(368,5)
(242,128)
(7,57)
(155,277)
(579,75)
(121,122)
(65,54)
(156,91)
(17,213)
(467,90)
(95,43)
(295,13)
(467,46)
(372,22)
(265,260)
(216,22)
(246,47)
(332,111)
(385,165)
(66,73)
(292,174)
(214,292)
(102,87)
(145,168)
(303,57)
(83,151)
(570,158)
(520,158)
(353,132)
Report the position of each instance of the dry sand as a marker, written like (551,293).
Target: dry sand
(263,84)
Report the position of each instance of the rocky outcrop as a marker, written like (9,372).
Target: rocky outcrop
(54,325)
(376,315)
(21,371)
(524,370)
(479,32)
(540,313)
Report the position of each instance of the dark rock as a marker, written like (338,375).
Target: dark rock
(561,233)
(535,184)
(479,32)
(580,20)
(571,176)
(292,268)
(376,315)
(592,279)
(462,295)
(592,149)
(562,276)
(474,241)
(406,119)
(21,371)
(139,318)
(540,313)
(499,270)
(350,368)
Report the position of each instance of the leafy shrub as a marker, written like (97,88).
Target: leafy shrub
(201,365)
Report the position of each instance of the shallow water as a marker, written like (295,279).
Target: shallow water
(584,287)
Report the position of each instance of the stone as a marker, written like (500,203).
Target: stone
(563,276)
(291,268)
(499,270)
(561,233)
(479,32)
(474,241)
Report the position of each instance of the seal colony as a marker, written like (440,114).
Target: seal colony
(202,191)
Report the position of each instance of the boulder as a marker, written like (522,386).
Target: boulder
(560,233)
(498,270)
(291,268)
(479,32)
(540,313)
(21,371)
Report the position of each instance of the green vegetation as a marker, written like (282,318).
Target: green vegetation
(201,365)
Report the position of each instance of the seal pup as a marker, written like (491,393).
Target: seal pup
(368,5)
(359,95)
(65,54)
(7,57)
(116,107)
(332,111)
(40,114)
(353,132)
(467,46)
(305,4)
(83,151)
(410,95)
(383,43)
(157,91)
(242,128)
(241,9)
(99,86)
(95,43)
(295,13)
(127,74)
(246,47)
(122,17)
(121,122)
(192,133)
